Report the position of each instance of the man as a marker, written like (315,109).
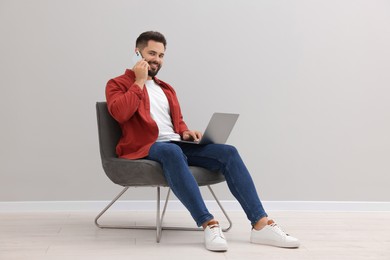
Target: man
(149,114)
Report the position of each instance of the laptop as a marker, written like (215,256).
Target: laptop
(217,131)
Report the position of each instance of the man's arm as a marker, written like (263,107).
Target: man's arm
(122,101)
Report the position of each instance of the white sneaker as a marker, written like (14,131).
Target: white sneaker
(214,238)
(273,235)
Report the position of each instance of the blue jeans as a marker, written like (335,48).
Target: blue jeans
(175,158)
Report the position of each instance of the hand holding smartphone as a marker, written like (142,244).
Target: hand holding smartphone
(141,71)
(136,57)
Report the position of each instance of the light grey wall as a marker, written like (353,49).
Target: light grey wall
(309,78)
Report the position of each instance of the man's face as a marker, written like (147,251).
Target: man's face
(153,53)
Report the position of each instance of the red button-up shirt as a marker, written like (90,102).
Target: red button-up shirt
(130,106)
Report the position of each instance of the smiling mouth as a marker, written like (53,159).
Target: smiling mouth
(154,66)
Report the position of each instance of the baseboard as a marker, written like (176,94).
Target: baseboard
(229,205)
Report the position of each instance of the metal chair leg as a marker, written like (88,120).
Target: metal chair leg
(159,218)
(107,207)
(200,229)
(223,210)
(165,206)
(119,226)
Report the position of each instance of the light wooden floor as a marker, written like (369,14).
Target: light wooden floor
(72,235)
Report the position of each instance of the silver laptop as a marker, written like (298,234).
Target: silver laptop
(218,129)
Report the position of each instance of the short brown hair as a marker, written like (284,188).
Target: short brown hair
(142,40)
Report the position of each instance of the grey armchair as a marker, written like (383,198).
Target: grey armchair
(141,173)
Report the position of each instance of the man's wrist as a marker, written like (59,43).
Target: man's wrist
(140,83)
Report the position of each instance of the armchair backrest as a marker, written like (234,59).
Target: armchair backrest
(109,131)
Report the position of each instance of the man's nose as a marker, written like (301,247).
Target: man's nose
(157,59)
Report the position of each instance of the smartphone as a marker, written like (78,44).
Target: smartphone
(136,57)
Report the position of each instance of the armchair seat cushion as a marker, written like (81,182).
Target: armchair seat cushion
(144,172)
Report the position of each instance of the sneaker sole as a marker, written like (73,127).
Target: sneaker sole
(276,244)
(217,249)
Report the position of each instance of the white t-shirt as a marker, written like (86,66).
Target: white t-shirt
(160,112)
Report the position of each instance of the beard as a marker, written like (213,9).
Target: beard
(153,72)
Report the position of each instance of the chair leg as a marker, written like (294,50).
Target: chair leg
(107,207)
(118,226)
(196,229)
(223,210)
(159,218)
(165,206)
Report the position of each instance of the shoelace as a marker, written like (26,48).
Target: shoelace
(278,229)
(216,231)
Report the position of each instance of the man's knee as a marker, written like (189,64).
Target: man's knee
(224,154)
(228,151)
